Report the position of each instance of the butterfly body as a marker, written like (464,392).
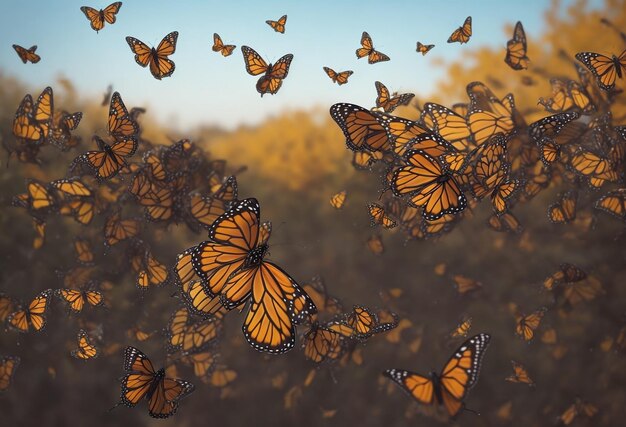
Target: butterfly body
(273,74)
(97,18)
(27,55)
(156,58)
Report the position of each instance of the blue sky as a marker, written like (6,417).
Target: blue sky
(209,89)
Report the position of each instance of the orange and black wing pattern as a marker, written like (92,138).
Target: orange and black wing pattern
(33,317)
(278,26)
(97,18)
(340,78)
(219,46)
(27,55)
(273,74)
(8,366)
(367,49)
(516,49)
(463,33)
(157,59)
(606,70)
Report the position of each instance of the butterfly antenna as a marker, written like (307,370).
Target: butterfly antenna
(471,410)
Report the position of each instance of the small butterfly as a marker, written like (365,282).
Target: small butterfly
(97,18)
(219,46)
(273,74)
(278,26)
(160,65)
(424,48)
(463,33)
(339,78)
(367,49)
(27,54)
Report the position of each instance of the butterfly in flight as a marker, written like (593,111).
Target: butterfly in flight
(97,18)
(450,387)
(86,349)
(463,33)
(160,65)
(367,49)
(424,48)
(605,69)
(8,365)
(273,74)
(516,49)
(339,78)
(388,102)
(219,46)
(277,302)
(143,381)
(278,26)
(31,317)
(27,54)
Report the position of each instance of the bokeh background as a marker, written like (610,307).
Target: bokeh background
(295,158)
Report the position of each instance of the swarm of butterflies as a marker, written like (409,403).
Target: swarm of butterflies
(435,170)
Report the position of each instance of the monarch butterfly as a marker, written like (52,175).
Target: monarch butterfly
(491,175)
(152,273)
(316,290)
(429,186)
(191,336)
(220,377)
(244,274)
(520,375)
(339,78)
(405,134)
(33,121)
(117,229)
(378,215)
(463,33)
(387,102)
(33,317)
(486,124)
(363,129)
(81,209)
(158,59)
(8,366)
(143,381)
(84,252)
(27,55)
(462,328)
(605,69)
(273,74)
(278,26)
(593,166)
(450,387)
(337,200)
(97,18)
(61,129)
(159,203)
(564,210)
(322,344)
(76,299)
(203,363)
(205,210)
(219,46)
(526,324)
(367,49)
(424,48)
(37,198)
(613,203)
(516,49)
(567,273)
(506,222)
(579,407)
(579,291)
(551,126)
(375,244)
(465,284)
(86,349)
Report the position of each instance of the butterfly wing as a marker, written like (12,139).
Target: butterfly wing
(255,65)
(163,402)
(367,46)
(86,349)
(273,79)
(363,129)
(602,67)
(278,26)
(8,365)
(139,378)
(110,11)
(461,371)
(417,386)
(161,66)
(27,54)
(278,302)
(143,53)
(121,125)
(463,33)
(516,49)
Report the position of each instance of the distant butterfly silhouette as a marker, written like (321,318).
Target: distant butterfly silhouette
(278,26)
(339,78)
(424,48)
(274,74)
(160,65)
(219,46)
(97,18)
(367,49)
(8,365)
(27,54)
(463,33)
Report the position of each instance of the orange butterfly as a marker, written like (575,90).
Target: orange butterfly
(339,78)
(387,102)
(160,65)
(27,54)
(97,18)
(278,26)
(219,46)
(463,33)
(424,48)
(451,386)
(367,49)
(274,75)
